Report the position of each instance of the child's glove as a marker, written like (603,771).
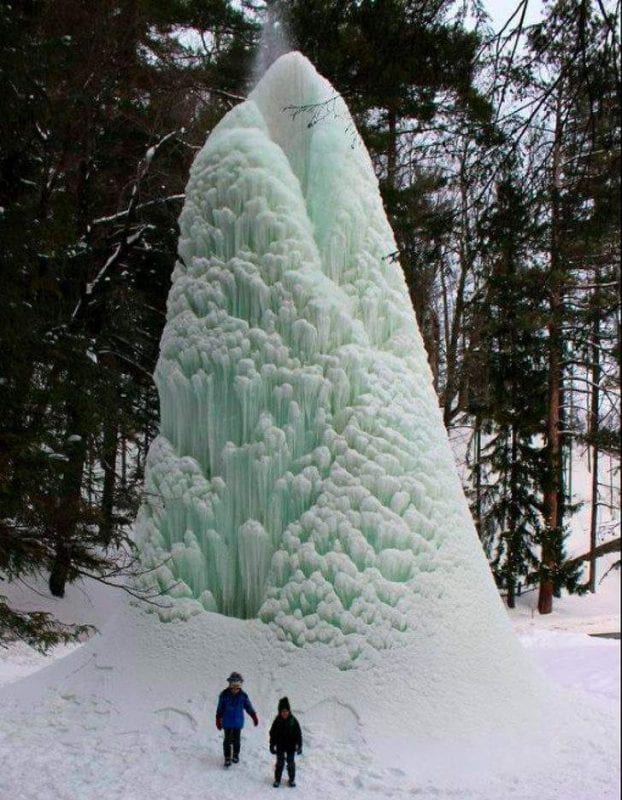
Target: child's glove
(299,751)
(219,723)
(273,749)
(255,719)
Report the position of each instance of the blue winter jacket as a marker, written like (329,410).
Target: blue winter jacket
(231,708)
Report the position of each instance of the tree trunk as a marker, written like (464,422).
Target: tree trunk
(594,427)
(123,462)
(68,504)
(109,449)
(478,475)
(392,149)
(551,487)
(466,263)
(551,493)
(512,556)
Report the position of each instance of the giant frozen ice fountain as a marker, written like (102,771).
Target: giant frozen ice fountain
(303,474)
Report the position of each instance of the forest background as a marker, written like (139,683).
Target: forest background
(498,157)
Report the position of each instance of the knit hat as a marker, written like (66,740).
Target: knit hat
(283,704)
(235,678)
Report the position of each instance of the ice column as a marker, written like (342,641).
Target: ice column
(302,473)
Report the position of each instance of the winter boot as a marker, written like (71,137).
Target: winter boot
(235,759)
(227,762)
(276,784)
(292,783)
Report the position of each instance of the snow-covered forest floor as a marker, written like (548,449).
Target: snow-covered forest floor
(122,718)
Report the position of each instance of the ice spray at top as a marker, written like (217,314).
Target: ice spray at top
(274,41)
(302,473)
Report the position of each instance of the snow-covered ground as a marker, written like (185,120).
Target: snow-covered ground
(129,714)
(564,645)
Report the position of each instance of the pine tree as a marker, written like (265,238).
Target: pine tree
(512,390)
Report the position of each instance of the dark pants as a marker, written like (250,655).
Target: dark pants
(231,741)
(281,755)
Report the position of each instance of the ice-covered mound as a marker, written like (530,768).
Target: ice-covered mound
(303,473)
(130,716)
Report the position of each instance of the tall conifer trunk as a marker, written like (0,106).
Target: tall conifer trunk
(551,488)
(68,504)
(513,535)
(594,427)
(466,263)
(109,449)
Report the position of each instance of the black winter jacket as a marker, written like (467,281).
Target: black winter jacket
(285,734)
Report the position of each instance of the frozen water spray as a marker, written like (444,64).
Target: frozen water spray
(274,42)
(302,474)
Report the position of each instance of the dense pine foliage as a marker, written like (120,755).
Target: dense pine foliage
(498,155)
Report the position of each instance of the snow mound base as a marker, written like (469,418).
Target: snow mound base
(130,716)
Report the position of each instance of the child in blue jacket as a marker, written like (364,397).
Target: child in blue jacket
(232,703)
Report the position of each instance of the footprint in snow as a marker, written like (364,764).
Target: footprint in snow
(176,721)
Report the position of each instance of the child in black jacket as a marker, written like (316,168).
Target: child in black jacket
(285,742)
